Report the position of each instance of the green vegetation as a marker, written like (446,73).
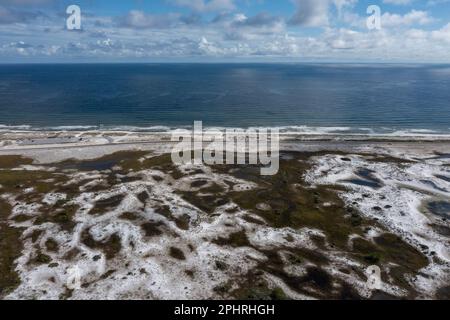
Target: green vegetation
(110,247)
(288,202)
(107,205)
(11,162)
(176,253)
(10,248)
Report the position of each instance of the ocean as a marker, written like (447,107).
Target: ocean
(328,98)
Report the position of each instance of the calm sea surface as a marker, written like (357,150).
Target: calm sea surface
(327,97)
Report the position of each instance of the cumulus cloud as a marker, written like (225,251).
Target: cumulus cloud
(26,2)
(442,34)
(311,13)
(226,30)
(315,13)
(260,20)
(398,2)
(141,20)
(242,27)
(413,17)
(11,15)
(206,5)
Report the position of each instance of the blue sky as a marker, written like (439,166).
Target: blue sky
(225,30)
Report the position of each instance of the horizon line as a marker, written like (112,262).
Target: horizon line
(227,62)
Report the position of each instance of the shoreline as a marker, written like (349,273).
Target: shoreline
(48,146)
(305,131)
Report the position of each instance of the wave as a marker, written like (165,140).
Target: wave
(77,128)
(20,127)
(285,130)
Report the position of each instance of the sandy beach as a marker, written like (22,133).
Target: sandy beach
(110,211)
(53,146)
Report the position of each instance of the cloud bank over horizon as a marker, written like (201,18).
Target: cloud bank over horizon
(225,30)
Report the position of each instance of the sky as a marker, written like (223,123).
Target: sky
(225,31)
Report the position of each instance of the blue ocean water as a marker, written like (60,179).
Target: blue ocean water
(334,96)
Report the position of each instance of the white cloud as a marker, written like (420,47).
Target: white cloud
(139,19)
(410,18)
(398,2)
(316,13)
(206,5)
(26,2)
(442,34)
(12,15)
(231,35)
(311,13)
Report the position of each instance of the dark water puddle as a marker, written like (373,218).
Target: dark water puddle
(441,156)
(433,185)
(366,179)
(445,178)
(442,230)
(286,156)
(439,208)
(91,165)
(100,164)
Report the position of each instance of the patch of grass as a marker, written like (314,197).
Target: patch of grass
(15,181)
(250,219)
(214,189)
(315,280)
(106,205)
(143,196)
(206,203)
(223,288)
(41,258)
(62,216)
(176,253)
(163,210)
(220,265)
(10,249)
(12,161)
(389,248)
(294,205)
(22,218)
(235,240)
(51,245)
(152,229)
(314,256)
(131,216)
(401,253)
(356,220)
(255,288)
(198,183)
(183,222)
(163,163)
(372,258)
(110,247)
(35,235)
